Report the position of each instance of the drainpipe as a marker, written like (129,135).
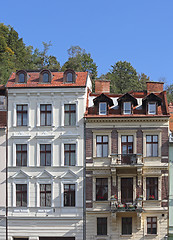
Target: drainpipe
(84,184)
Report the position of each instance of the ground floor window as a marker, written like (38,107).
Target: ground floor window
(151,225)
(126,226)
(101,226)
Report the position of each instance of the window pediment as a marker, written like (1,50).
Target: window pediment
(69,175)
(152,98)
(127,98)
(20,175)
(103,98)
(44,174)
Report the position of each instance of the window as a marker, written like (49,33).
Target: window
(127,108)
(101,226)
(101,189)
(151,225)
(21,78)
(151,108)
(21,155)
(21,195)
(45,77)
(70,154)
(45,154)
(69,77)
(45,114)
(152,145)
(102,146)
(22,115)
(102,108)
(126,226)
(69,195)
(70,114)
(126,144)
(45,195)
(152,188)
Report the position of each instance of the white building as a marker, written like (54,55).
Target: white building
(46,154)
(2,163)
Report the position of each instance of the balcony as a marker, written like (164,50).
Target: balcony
(126,159)
(135,206)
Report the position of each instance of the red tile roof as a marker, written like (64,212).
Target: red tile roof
(57,80)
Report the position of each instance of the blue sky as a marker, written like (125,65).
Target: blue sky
(137,31)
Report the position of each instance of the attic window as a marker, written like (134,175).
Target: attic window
(127,108)
(21,78)
(45,76)
(151,108)
(102,108)
(69,76)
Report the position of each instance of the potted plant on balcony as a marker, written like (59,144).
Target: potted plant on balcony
(139,197)
(131,207)
(121,206)
(113,197)
(151,197)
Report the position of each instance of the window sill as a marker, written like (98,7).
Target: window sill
(151,235)
(126,236)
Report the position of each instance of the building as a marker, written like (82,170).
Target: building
(3,125)
(46,154)
(127,163)
(170,230)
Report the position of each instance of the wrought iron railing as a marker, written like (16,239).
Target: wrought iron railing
(126,159)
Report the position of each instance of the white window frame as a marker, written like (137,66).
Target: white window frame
(38,183)
(103,112)
(94,187)
(101,133)
(44,141)
(159,186)
(76,102)
(39,112)
(125,110)
(20,141)
(149,104)
(20,181)
(127,132)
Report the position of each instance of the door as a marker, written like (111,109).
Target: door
(126,190)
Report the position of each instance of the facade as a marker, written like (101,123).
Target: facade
(46,154)
(127,164)
(3,113)
(171,173)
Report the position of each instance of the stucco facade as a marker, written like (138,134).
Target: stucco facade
(61,216)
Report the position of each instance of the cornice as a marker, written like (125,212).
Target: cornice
(132,119)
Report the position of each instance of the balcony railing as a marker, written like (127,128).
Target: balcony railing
(126,159)
(135,206)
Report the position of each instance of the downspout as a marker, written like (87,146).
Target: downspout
(7,170)
(84,184)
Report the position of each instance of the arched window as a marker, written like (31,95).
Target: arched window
(21,78)
(45,77)
(69,77)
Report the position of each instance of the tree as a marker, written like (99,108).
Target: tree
(80,61)
(169,90)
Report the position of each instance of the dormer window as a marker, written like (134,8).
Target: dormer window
(45,76)
(69,76)
(127,109)
(21,76)
(151,108)
(102,108)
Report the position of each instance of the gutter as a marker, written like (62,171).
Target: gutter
(84,184)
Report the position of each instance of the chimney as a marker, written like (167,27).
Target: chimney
(102,86)
(154,87)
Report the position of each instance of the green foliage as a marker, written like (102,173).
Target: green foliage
(125,78)
(80,61)
(169,90)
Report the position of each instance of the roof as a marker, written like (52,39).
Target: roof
(138,111)
(57,80)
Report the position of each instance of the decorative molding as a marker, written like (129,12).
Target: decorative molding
(20,175)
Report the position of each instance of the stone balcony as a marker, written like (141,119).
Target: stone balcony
(122,160)
(135,206)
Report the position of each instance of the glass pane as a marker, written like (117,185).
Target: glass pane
(155,138)
(24,159)
(155,150)
(66,107)
(49,107)
(73,119)
(130,138)
(66,159)
(69,77)
(66,147)
(24,147)
(42,147)
(99,150)
(18,159)
(149,150)
(48,147)
(149,225)
(19,119)
(45,77)
(25,107)
(105,150)
(149,138)
(48,119)
(42,159)
(48,187)
(73,107)
(73,157)
(105,138)
(124,149)
(18,200)
(127,107)
(42,199)
(24,200)
(42,187)
(152,108)
(73,147)
(42,107)
(148,219)
(66,119)
(24,119)
(123,138)
(154,218)
(103,108)
(154,225)
(48,199)
(24,187)
(72,186)
(99,139)
(42,119)
(18,147)
(19,107)
(21,78)
(48,159)
(130,149)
